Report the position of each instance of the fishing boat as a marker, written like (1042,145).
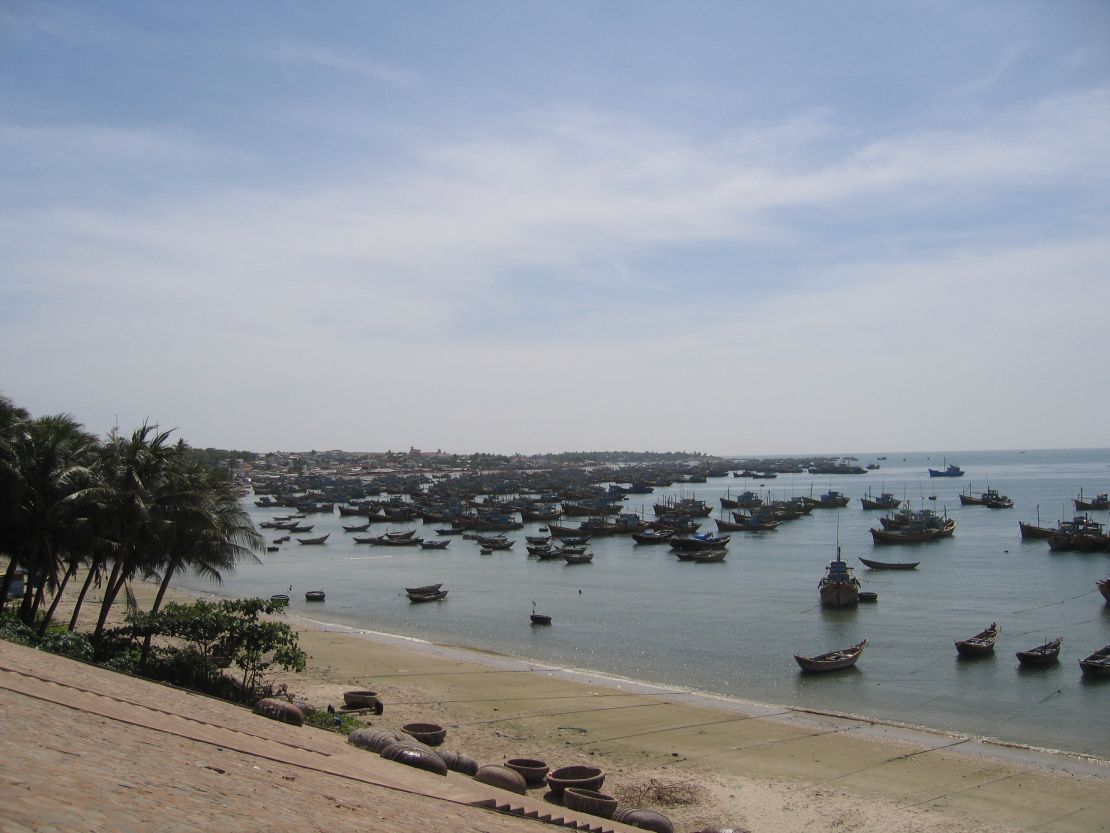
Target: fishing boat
(948,471)
(1096,664)
(314,596)
(981,644)
(434,596)
(699,541)
(839,587)
(833,660)
(280,598)
(872,564)
(830,500)
(708,556)
(426,589)
(991,498)
(653,536)
(578,557)
(1104,588)
(356,527)
(1046,654)
(1099,503)
(435,545)
(539,618)
(318,540)
(884,501)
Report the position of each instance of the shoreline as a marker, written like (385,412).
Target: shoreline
(700,759)
(1063,760)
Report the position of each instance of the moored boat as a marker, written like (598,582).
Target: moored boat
(314,596)
(1096,664)
(889,565)
(318,540)
(1099,503)
(1104,588)
(981,644)
(833,660)
(1045,654)
(948,471)
(435,545)
(839,587)
(884,501)
(434,596)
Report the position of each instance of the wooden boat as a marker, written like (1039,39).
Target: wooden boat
(653,536)
(1031,531)
(1104,588)
(868,596)
(884,501)
(386,541)
(435,545)
(839,587)
(494,543)
(451,531)
(314,596)
(830,500)
(539,618)
(318,540)
(272,549)
(1096,664)
(948,471)
(833,660)
(400,535)
(913,533)
(708,556)
(991,498)
(1098,503)
(981,644)
(578,557)
(428,597)
(280,598)
(700,541)
(426,589)
(356,527)
(889,565)
(537,539)
(1045,654)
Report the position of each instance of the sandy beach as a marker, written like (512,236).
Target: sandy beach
(701,761)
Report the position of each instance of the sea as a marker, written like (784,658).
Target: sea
(732,628)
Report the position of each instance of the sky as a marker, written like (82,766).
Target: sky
(725,227)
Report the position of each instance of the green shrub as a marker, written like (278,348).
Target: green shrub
(73,645)
(13,630)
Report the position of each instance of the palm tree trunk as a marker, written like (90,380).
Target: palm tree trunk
(162,588)
(9,577)
(73,563)
(94,570)
(110,591)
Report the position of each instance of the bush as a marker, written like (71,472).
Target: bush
(73,645)
(13,630)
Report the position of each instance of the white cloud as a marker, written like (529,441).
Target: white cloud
(355,296)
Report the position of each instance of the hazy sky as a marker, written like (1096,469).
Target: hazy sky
(539,226)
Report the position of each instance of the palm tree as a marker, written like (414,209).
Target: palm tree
(45,469)
(134,499)
(210,532)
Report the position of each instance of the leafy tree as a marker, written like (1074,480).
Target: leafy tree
(230,629)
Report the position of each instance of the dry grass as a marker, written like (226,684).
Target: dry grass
(656,792)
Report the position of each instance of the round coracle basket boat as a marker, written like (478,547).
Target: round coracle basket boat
(532,770)
(415,755)
(589,801)
(375,740)
(503,777)
(362,699)
(583,777)
(429,733)
(458,762)
(644,819)
(280,710)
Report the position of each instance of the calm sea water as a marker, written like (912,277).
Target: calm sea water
(732,628)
